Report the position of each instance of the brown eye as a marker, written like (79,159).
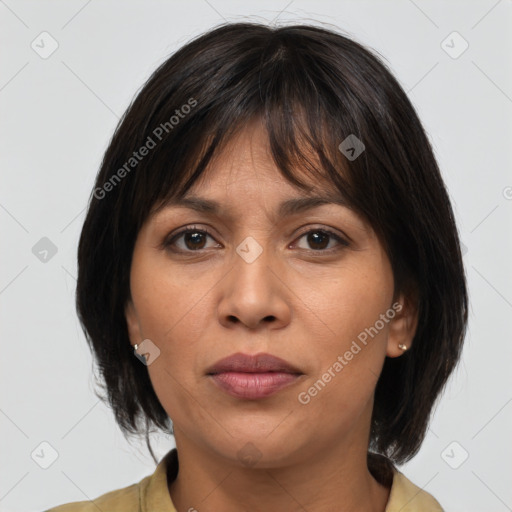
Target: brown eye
(320,239)
(194,240)
(189,239)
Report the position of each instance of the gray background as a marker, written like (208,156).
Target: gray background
(57,116)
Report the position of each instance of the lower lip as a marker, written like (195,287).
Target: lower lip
(251,386)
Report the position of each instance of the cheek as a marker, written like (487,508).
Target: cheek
(174,312)
(174,320)
(353,301)
(355,312)
(170,305)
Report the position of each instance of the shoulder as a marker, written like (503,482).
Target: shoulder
(150,494)
(126,500)
(408,497)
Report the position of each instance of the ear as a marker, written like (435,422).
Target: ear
(402,327)
(132,322)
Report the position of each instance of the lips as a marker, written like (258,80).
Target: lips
(259,363)
(253,377)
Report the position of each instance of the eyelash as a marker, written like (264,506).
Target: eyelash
(169,242)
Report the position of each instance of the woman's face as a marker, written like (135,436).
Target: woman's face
(311,286)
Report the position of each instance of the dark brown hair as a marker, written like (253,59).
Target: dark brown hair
(312,88)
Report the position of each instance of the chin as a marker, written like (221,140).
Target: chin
(254,449)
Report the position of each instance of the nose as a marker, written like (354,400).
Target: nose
(254,294)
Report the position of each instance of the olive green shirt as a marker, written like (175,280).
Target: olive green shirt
(151,494)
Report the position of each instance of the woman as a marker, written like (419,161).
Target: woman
(270,236)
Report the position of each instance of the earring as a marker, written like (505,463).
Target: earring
(403,347)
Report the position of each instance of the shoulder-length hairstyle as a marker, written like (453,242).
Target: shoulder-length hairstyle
(312,88)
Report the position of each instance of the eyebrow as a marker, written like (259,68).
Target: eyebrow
(286,208)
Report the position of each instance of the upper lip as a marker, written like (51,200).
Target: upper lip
(245,363)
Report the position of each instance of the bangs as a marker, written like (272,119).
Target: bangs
(300,152)
(304,117)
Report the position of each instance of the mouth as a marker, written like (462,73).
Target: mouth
(253,377)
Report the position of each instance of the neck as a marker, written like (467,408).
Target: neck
(336,478)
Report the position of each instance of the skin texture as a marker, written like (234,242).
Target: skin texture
(303,304)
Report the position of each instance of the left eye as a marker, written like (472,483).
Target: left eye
(319,240)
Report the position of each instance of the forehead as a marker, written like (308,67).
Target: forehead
(245,161)
(243,168)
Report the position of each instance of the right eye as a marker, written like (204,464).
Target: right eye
(189,239)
